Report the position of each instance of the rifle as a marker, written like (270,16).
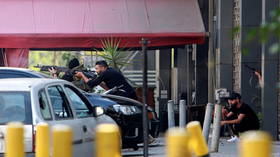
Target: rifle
(47,67)
(250,68)
(72,72)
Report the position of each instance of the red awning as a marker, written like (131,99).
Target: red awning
(83,23)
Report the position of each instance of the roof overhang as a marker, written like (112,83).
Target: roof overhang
(84,23)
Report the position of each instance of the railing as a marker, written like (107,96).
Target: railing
(135,76)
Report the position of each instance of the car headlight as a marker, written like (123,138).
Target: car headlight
(126,110)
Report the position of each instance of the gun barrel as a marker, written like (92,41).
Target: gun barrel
(60,69)
(253,69)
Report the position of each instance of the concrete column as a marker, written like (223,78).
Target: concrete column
(270,75)
(201,74)
(224,44)
(163,65)
(201,82)
(182,56)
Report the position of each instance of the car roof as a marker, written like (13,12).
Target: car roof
(24,70)
(25,84)
(13,68)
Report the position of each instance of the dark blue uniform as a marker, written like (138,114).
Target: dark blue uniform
(113,78)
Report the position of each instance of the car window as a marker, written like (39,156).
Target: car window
(59,103)
(44,105)
(77,102)
(15,106)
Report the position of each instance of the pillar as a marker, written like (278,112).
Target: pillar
(224,44)
(163,72)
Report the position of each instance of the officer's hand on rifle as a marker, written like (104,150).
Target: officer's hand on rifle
(258,74)
(81,75)
(54,72)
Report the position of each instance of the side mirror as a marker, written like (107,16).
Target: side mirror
(98,111)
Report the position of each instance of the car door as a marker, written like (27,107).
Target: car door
(63,114)
(84,113)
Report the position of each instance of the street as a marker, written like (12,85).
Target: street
(157,149)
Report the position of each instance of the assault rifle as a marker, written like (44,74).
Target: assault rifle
(72,72)
(47,67)
(250,68)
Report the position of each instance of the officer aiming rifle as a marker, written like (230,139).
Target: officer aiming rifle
(74,67)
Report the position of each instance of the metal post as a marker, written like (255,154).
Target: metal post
(144,43)
(107,141)
(211,56)
(182,114)
(42,140)
(198,144)
(14,140)
(62,141)
(256,144)
(177,141)
(170,110)
(216,128)
(207,120)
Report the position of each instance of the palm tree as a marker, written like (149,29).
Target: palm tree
(112,54)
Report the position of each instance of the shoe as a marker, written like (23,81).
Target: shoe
(233,139)
(151,139)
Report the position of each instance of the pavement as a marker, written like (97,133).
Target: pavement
(226,149)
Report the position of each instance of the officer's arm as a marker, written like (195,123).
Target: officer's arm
(229,114)
(97,81)
(81,75)
(235,121)
(104,86)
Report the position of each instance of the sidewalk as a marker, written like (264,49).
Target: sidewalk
(226,149)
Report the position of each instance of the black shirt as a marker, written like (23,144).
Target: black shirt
(113,78)
(250,120)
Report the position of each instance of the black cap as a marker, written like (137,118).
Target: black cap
(73,63)
(102,63)
(234,95)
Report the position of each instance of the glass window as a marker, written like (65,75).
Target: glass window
(15,106)
(44,105)
(78,103)
(59,103)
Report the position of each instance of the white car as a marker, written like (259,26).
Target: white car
(52,101)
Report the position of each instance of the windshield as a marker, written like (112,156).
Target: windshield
(15,106)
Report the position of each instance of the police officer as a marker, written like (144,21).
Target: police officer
(111,77)
(73,65)
(241,116)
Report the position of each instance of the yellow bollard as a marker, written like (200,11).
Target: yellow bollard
(255,144)
(177,143)
(197,142)
(42,140)
(15,140)
(62,141)
(108,141)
